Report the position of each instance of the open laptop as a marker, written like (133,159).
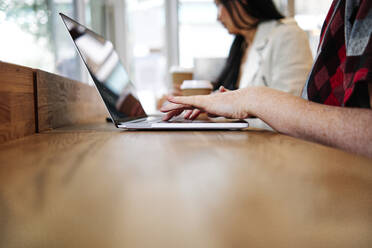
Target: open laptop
(116,89)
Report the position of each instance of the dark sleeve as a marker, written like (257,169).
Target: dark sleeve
(360,97)
(370,94)
(358,69)
(362,78)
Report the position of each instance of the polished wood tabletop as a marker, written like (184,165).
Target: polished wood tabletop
(97,186)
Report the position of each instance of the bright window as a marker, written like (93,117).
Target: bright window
(201,35)
(36,36)
(147,48)
(310,16)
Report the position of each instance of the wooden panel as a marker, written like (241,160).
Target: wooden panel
(109,188)
(17,108)
(62,102)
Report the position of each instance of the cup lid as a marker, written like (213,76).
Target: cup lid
(177,69)
(196,84)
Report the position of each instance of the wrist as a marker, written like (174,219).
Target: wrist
(250,100)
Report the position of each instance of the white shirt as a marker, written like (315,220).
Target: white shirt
(279,57)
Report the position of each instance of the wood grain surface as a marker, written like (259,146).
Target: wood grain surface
(17,110)
(102,187)
(63,102)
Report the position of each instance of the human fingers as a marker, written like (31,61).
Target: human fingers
(172,106)
(217,104)
(171,114)
(211,104)
(195,113)
(189,102)
(223,89)
(188,114)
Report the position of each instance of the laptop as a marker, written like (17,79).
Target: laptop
(117,91)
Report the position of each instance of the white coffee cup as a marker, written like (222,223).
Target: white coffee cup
(196,87)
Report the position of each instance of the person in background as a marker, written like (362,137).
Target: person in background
(268,50)
(335,107)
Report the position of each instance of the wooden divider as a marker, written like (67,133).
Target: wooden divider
(17,108)
(62,102)
(34,101)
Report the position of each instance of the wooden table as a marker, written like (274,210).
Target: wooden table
(96,186)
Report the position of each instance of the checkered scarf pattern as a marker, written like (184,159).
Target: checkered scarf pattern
(345,53)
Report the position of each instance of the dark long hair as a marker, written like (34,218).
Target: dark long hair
(262,10)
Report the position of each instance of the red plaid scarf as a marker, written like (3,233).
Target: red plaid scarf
(343,68)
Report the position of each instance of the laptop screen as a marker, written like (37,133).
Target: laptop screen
(108,74)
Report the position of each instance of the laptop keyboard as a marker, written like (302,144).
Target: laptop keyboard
(178,119)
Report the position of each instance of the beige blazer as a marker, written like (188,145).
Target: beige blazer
(279,57)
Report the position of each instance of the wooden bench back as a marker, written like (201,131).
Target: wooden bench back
(33,101)
(17,102)
(62,102)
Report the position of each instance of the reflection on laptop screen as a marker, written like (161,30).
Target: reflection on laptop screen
(107,72)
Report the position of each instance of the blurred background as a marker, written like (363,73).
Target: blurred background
(150,36)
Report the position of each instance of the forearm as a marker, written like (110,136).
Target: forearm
(346,128)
